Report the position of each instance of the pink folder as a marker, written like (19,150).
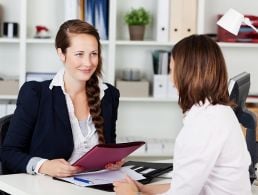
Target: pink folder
(102,154)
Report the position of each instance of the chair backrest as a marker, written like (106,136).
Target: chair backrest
(248,120)
(4,124)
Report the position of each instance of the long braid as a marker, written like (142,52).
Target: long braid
(93,96)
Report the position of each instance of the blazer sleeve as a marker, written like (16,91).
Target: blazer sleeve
(15,149)
(110,105)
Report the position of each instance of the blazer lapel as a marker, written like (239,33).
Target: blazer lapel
(60,106)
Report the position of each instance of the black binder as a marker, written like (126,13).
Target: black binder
(142,167)
(157,169)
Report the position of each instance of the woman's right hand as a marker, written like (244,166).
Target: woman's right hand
(58,168)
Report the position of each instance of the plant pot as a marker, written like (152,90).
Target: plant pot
(136,32)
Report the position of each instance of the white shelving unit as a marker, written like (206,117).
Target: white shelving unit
(146,117)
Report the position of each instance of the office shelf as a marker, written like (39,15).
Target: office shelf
(152,117)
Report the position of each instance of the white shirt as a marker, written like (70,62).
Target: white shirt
(211,156)
(82,144)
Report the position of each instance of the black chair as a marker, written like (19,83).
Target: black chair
(4,124)
(240,89)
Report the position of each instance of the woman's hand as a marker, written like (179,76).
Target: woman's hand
(58,168)
(125,187)
(115,166)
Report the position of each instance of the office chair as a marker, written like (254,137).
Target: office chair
(4,124)
(239,87)
(248,120)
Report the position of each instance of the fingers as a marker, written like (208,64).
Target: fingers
(126,186)
(58,168)
(115,166)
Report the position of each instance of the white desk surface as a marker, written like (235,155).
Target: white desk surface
(25,184)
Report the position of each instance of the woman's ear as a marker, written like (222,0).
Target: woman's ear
(60,54)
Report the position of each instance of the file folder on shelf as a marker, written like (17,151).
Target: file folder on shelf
(162,20)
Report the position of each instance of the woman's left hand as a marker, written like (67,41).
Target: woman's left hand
(115,166)
(125,187)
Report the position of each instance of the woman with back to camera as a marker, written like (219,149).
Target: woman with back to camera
(59,120)
(210,154)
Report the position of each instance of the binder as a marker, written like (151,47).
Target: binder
(190,17)
(102,154)
(71,9)
(183,15)
(149,170)
(90,11)
(81,9)
(101,18)
(162,20)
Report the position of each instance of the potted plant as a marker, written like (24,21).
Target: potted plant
(136,20)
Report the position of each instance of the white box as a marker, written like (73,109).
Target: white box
(160,85)
(2,110)
(133,88)
(171,90)
(10,108)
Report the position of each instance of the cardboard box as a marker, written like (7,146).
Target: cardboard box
(9,87)
(133,88)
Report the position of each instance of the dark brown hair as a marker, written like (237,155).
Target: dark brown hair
(92,86)
(199,72)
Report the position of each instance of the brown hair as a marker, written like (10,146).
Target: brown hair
(200,72)
(62,41)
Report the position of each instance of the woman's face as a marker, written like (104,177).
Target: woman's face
(81,58)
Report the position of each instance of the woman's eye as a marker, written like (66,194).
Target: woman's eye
(94,54)
(78,54)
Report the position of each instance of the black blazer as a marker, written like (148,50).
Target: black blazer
(40,126)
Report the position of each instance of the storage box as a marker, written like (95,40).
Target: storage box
(160,85)
(9,87)
(133,88)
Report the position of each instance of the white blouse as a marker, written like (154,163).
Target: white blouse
(82,143)
(211,156)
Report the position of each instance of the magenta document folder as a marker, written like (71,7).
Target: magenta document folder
(102,154)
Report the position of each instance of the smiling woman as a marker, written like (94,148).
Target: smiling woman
(59,120)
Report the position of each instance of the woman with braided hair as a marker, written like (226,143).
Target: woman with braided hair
(59,120)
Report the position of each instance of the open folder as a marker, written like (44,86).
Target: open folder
(102,154)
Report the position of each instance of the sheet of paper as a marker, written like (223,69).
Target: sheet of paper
(103,177)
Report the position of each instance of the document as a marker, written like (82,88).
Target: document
(102,154)
(102,177)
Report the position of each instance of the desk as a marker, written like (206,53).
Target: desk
(25,184)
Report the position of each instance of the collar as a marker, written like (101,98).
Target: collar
(58,81)
(196,108)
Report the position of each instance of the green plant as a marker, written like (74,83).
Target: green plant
(137,17)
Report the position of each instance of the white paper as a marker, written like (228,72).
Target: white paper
(104,176)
